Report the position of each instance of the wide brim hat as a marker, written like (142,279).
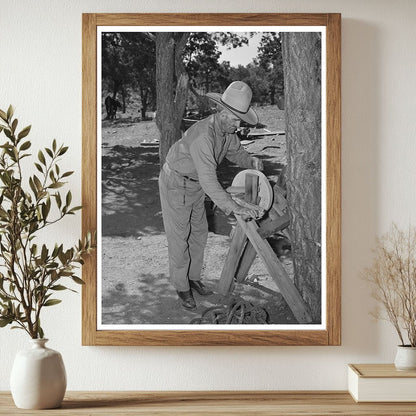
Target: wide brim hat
(237,99)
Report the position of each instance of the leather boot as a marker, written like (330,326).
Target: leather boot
(200,288)
(187,299)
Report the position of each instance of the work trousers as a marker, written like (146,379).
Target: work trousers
(186,227)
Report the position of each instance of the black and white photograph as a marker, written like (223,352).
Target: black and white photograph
(211,182)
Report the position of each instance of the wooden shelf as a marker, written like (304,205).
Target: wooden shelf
(178,403)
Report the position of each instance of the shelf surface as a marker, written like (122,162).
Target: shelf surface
(180,403)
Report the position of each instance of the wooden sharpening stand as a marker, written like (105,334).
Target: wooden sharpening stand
(250,239)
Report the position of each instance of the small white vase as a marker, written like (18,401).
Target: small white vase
(405,358)
(38,377)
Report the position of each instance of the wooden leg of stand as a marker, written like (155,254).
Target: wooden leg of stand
(247,260)
(266,229)
(249,254)
(289,291)
(238,243)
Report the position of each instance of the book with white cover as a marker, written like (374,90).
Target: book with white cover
(381,383)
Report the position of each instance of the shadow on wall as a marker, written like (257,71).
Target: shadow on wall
(360,180)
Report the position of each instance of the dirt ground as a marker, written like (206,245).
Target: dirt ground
(135,279)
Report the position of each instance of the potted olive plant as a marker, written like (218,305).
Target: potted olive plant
(393,277)
(31,273)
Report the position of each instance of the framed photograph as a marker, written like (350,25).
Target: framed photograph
(211,173)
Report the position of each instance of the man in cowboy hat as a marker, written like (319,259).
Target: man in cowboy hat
(189,173)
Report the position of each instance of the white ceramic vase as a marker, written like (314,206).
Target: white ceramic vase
(405,358)
(38,377)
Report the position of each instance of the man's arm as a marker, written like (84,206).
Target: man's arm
(202,154)
(240,157)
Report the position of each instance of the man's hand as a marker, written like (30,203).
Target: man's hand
(257,163)
(248,213)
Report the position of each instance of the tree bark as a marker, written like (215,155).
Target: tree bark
(302,81)
(144,92)
(171,88)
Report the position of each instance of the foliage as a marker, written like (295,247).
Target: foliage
(201,60)
(393,276)
(30,273)
(128,61)
(270,59)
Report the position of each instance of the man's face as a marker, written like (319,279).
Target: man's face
(230,122)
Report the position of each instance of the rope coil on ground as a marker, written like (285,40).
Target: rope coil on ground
(238,311)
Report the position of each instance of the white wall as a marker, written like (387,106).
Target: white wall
(40,73)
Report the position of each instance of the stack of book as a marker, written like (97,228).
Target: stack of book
(381,383)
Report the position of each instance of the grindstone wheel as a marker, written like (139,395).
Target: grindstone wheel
(265,191)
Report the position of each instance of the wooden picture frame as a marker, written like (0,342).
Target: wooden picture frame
(330,334)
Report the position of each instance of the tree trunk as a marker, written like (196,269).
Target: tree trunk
(171,88)
(302,81)
(123,97)
(272,94)
(144,92)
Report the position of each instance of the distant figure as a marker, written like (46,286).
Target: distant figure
(111,106)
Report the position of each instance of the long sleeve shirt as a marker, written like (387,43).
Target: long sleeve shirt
(199,152)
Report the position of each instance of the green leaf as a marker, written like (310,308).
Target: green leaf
(37,182)
(49,152)
(34,249)
(25,145)
(76,208)
(63,151)
(40,332)
(51,302)
(55,251)
(56,185)
(14,125)
(68,199)
(24,132)
(3,115)
(5,321)
(10,112)
(59,287)
(62,257)
(8,133)
(54,145)
(67,174)
(39,167)
(33,187)
(41,157)
(58,199)
(76,279)
(60,249)
(45,211)
(44,253)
